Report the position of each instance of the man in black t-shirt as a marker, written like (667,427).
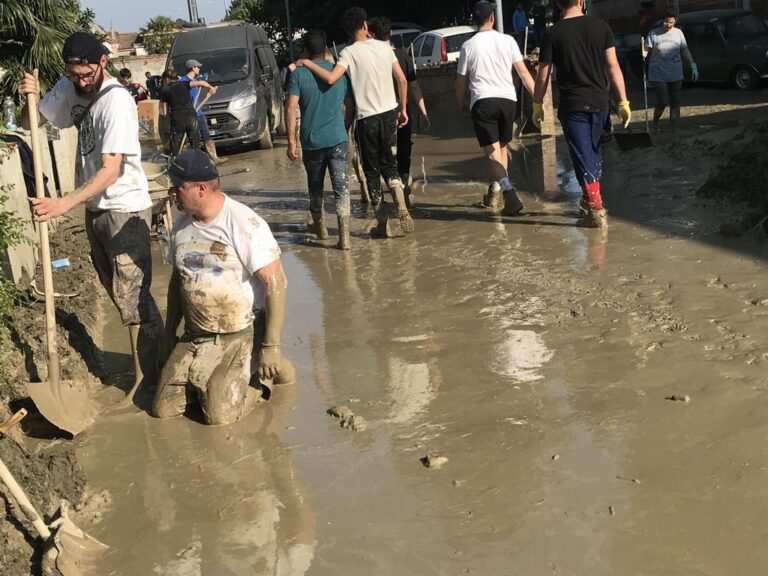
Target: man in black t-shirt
(177,104)
(381,29)
(583,50)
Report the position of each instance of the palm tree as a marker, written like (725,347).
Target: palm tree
(32,34)
(159,34)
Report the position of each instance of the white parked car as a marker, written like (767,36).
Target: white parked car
(441,45)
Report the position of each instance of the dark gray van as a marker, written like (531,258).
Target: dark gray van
(238,59)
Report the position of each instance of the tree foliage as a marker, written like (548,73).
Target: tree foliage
(326,14)
(32,34)
(159,34)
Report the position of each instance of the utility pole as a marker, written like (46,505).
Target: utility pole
(193,17)
(290,30)
(499,17)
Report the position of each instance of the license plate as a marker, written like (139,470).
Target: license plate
(213,132)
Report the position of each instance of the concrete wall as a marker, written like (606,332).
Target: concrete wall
(138,65)
(19,262)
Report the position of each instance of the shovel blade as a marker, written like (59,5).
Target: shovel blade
(73,552)
(632,140)
(65,404)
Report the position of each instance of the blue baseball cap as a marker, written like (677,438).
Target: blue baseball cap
(192,166)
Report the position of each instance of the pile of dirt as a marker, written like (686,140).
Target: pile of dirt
(51,472)
(741,177)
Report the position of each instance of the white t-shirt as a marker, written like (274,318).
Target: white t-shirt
(487,58)
(369,65)
(216,263)
(111,126)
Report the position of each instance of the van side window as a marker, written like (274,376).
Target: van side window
(263,58)
(705,34)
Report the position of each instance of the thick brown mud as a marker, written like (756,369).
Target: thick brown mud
(532,359)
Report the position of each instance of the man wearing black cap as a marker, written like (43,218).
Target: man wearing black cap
(118,208)
(195,93)
(229,286)
(485,66)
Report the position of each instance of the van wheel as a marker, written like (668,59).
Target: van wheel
(265,142)
(744,77)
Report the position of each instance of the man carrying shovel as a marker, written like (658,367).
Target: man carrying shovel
(118,208)
(584,51)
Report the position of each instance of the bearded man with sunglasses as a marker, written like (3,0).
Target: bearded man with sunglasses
(118,208)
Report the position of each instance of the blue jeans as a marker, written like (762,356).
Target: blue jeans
(334,158)
(586,133)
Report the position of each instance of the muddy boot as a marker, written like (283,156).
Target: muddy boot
(512,204)
(583,207)
(593,219)
(344,242)
(318,225)
(407,181)
(210,147)
(492,197)
(398,196)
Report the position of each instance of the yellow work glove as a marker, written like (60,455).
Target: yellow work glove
(625,113)
(537,114)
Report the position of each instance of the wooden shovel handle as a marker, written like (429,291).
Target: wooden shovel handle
(6,426)
(24,503)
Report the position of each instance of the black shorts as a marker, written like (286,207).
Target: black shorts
(493,119)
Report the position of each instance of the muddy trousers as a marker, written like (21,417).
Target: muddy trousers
(376,138)
(121,254)
(184,127)
(334,160)
(215,370)
(404,148)
(667,94)
(586,134)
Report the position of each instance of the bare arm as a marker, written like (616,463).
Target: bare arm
(542,82)
(47,208)
(687,55)
(275,285)
(173,316)
(462,82)
(200,83)
(329,77)
(417,97)
(291,105)
(402,94)
(525,76)
(614,74)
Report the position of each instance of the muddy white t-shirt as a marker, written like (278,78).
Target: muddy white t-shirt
(111,126)
(487,58)
(369,65)
(216,263)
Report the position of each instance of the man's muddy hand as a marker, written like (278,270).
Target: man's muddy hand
(46,208)
(270,361)
(29,85)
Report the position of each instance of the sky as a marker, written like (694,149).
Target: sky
(130,15)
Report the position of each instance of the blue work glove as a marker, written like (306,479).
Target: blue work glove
(694,71)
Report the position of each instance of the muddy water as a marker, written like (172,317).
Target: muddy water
(535,356)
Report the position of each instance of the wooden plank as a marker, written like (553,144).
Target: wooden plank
(19,261)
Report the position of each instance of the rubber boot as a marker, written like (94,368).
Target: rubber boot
(398,197)
(318,227)
(512,204)
(407,181)
(492,197)
(596,216)
(344,241)
(210,147)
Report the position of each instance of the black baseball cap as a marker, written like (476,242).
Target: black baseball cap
(192,166)
(482,11)
(83,48)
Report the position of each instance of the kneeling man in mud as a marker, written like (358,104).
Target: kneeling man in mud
(229,286)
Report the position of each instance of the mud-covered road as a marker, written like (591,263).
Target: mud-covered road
(538,358)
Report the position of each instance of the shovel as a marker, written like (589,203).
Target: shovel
(67,548)
(65,404)
(630,140)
